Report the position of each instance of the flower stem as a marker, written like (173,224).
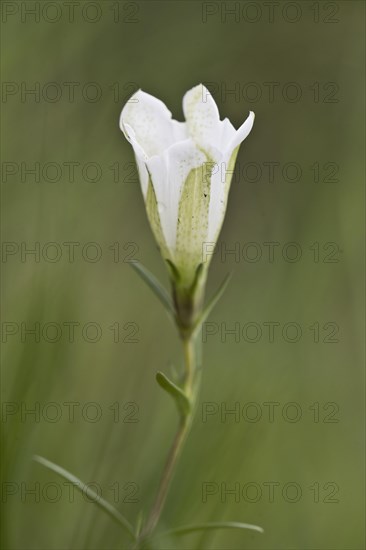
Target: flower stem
(189,362)
(191,387)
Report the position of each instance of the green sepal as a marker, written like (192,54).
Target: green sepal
(213,301)
(197,278)
(155,286)
(86,491)
(173,271)
(182,401)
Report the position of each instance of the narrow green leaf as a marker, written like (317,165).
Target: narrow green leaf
(177,393)
(215,298)
(218,525)
(155,285)
(86,491)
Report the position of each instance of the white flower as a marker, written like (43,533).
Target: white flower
(185,170)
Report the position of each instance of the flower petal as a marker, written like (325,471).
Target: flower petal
(204,124)
(220,187)
(154,219)
(240,134)
(193,221)
(227,134)
(168,173)
(152,123)
(140,157)
(221,179)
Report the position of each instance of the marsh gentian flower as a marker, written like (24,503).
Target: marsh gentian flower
(185,170)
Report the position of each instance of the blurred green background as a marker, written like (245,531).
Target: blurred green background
(123,423)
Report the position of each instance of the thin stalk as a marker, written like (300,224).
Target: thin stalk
(190,364)
(191,384)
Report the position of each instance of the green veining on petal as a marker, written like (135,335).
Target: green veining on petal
(154,219)
(192,223)
(230,170)
(227,184)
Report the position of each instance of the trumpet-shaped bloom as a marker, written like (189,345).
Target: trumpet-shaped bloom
(185,170)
